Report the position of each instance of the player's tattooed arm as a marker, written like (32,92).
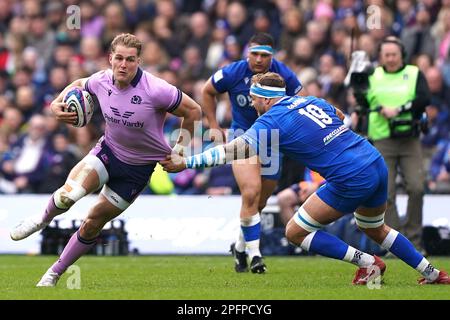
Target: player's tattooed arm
(238,149)
(234,150)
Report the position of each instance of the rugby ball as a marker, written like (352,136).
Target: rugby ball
(81,102)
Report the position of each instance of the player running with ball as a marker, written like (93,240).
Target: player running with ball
(124,158)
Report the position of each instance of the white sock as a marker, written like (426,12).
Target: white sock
(253,249)
(359,258)
(252,246)
(389,240)
(240,242)
(427,270)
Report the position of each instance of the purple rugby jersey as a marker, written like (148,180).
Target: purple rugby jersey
(135,115)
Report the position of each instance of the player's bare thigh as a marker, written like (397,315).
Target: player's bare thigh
(318,210)
(371,212)
(248,174)
(85,175)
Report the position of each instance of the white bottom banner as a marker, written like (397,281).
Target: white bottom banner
(167,224)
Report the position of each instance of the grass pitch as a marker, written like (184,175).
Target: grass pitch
(211,278)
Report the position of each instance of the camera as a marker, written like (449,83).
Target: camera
(358,79)
(358,75)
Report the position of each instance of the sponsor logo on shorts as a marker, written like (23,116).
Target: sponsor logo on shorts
(114,198)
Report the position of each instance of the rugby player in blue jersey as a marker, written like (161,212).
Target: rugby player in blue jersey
(256,183)
(311,131)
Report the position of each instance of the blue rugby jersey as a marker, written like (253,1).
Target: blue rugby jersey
(235,79)
(310,132)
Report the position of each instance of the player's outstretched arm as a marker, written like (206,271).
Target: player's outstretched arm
(190,111)
(59,108)
(209,94)
(235,150)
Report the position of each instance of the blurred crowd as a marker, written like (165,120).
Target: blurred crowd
(42,50)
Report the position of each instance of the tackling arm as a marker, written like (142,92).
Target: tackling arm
(234,150)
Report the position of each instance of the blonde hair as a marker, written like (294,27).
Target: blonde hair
(270,79)
(128,40)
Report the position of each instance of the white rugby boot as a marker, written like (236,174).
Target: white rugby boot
(27,228)
(49,279)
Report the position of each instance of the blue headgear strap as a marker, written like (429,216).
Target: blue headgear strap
(261,48)
(267,92)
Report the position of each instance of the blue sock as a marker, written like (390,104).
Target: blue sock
(403,249)
(251,229)
(325,244)
(251,233)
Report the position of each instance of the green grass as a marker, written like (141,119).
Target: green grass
(211,278)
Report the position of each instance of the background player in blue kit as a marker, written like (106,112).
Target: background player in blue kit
(255,183)
(311,131)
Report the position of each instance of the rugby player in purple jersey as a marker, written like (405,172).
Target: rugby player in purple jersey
(134,104)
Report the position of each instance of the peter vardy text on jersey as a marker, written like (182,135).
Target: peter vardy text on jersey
(126,123)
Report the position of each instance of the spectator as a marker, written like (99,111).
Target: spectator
(440,169)
(93,23)
(438,131)
(199,33)
(166,36)
(27,162)
(194,66)
(216,49)
(439,92)
(59,79)
(115,23)
(55,14)
(11,124)
(136,12)
(154,57)
(85,139)
(417,38)
(239,23)
(317,34)
(25,101)
(292,21)
(424,62)
(367,44)
(75,69)
(405,16)
(61,161)
(91,54)
(41,37)
(441,32)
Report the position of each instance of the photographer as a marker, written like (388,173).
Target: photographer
(394,103)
